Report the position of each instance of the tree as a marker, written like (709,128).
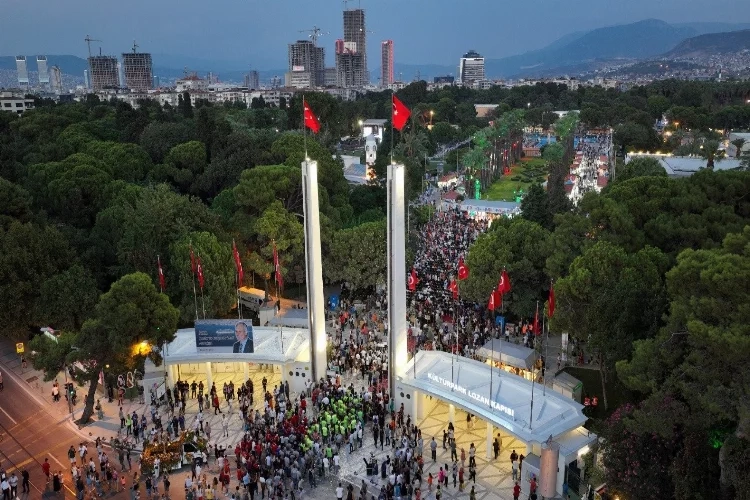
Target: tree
(158,138)
(640,167)
(220,278)
(611,298)
(16,203)
(358,256)
(29,254)
(710,151)
(261,186)
(535,206)
(67,299)
(182,167)
(129,321)
(185,105)
(738,144)
(519,246)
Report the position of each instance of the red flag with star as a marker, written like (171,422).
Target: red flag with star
(453,287)
(401,114)
(277,268)
(535,327)
(551,303)
(492,304)
(199,271)
(162,281)
(193,264)
(503,285)
(463,269)
(238,264)
(311,121)
(413,280)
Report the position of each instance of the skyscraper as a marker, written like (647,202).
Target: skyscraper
(306,65)
(386,63)
(252,79)
(23,72)
(351,56)
(138,71)
(41,64)
(103,72)
(470,68)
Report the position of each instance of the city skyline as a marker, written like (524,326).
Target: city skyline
(257,34)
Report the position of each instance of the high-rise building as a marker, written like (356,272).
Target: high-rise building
(386,63)
(252,80)
(138,71)
(470,68)
(306,65)
(41,64)
(155,82)
(23,72)
(351,52)
(57,79)
(103,72)
(86,79)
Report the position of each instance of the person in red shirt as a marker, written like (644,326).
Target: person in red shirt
(45,468)
(516,491)
(532,485)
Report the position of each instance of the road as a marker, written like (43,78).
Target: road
(31,431)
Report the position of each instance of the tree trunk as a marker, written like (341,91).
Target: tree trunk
(88,407)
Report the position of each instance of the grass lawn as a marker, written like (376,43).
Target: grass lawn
(522,175)
(592,386)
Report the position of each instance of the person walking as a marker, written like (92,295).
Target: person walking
(433,449)
(516,491)
(25,486)
(497,444)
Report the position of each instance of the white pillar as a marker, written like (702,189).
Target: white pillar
(314,270)
(170,375)
(209,377)
(451,413)
(490,451)
(396,276)
(247,371)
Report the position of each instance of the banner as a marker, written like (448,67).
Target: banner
(224,335)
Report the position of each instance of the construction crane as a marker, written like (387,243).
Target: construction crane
(135,47)
(315,32)
(88,41)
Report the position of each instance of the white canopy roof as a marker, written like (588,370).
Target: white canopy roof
(495,395)
(508,353)
(273,345)
(490,206)
(294,318)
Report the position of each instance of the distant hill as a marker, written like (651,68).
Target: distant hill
(712,43)
(627,41)
(705,28)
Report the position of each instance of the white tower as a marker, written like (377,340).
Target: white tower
(314,270)
(397,347)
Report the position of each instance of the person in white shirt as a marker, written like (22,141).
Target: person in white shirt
(340,492)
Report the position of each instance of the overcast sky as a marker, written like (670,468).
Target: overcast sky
(256,33)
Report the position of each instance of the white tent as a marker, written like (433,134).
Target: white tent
(514,355)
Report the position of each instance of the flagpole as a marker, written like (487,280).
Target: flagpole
(304,127)
(393,94)
(546,360)
(455,327)
(546,342)
(192,273)
(533,380)
(161,273)
(203,299)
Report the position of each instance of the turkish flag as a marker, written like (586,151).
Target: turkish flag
(277,268)
(463,269)
(238,263)
(199,270)
(535,327)
(551,303)
(162,282)
(413,280)
(401,114)
(193,266)
(453,287)
(492,305)
(311,121)
(503,285)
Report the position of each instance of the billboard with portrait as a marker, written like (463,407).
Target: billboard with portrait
(224,335)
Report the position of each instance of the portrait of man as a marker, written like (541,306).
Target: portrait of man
(244,343)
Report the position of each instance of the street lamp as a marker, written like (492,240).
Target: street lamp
(432,113)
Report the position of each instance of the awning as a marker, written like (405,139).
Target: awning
(511,354)
(494,395)
(273,345)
